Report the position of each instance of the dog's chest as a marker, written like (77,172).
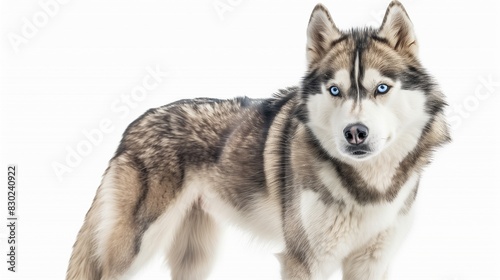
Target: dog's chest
(335,229)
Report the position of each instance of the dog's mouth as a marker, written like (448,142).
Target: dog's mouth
(359,154)
(358,151)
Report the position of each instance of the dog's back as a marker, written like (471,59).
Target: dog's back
(169,160)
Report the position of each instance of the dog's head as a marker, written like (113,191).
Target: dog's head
(365,88)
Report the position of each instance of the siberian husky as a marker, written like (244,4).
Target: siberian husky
(328,169)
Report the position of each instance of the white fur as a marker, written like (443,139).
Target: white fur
(356,75)
(334,231)
(263,219)
(107,213)
(377,267)
(160,235)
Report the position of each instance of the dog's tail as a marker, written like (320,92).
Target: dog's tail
(84,263)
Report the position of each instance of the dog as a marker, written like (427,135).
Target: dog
(329,169)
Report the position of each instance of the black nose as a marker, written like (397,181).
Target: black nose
(356,134)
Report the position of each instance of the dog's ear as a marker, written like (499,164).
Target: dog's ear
(321,33)
(397,29)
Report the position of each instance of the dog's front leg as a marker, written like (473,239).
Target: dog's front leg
(296,259)
(293,266)
(371,261)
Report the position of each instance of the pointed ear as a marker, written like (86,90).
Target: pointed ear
(397,29)
(321,32)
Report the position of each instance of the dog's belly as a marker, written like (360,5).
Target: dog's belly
(262,218)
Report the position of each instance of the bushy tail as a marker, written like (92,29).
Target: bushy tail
(83,264)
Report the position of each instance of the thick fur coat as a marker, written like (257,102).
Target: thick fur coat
(328,169)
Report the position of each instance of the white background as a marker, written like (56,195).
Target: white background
(67,76)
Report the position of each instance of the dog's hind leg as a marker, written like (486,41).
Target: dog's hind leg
(192,253)
(135,214)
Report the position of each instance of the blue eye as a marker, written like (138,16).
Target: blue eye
(335,91)
(382,88)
